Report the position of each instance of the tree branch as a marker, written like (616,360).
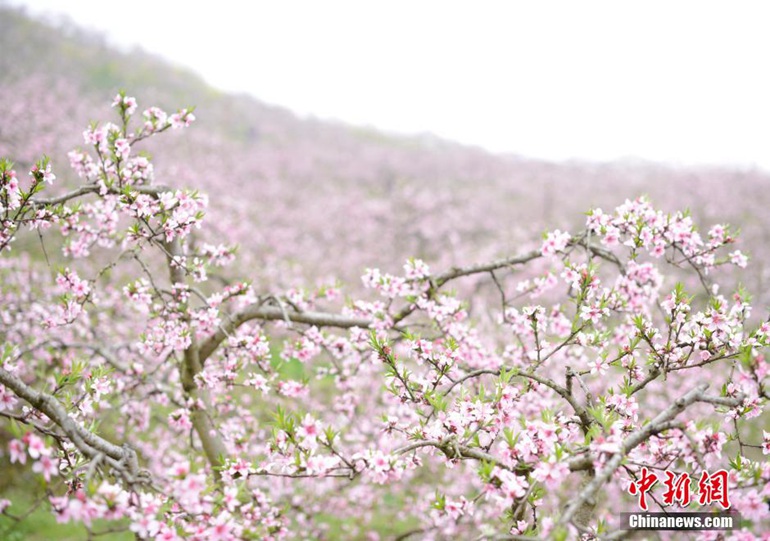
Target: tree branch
(457,272)
(580,411)
(94,188)
(324,319)
(274,313)
(122,458)
(213,446)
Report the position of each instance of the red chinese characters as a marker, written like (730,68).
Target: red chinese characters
(677,489)
(643,486)
(713,489)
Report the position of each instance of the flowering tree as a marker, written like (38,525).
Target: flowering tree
(145,387)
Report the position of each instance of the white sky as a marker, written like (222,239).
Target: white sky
(678,81)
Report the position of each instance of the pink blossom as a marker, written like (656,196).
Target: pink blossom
(145,526)
(259,382)
(511,485)
(127,102)
(182,119)
(598,366)
(46,465)
(738,259)
(46,173)
(593,313)
(7,399)
(555,241)
(36,446)
(17,451)
(180,420)
(551,473)
(751,505)
(309,428)
(122,148)
(292,388)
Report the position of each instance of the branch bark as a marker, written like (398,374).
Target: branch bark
(213,446)
(457,272)
(325,319)
(93,188)
(273,313)
(122,458)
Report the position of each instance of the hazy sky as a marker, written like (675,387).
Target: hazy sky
(680,81)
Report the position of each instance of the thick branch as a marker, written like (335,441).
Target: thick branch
(191,366)
(212,443)
(453,450)
(598,251)
(93,188)
(457,272)
(122,458)
(322,319)
(273,313)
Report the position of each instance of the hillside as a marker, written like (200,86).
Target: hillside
(309,199)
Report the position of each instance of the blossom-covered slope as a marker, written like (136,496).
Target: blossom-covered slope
(307,198)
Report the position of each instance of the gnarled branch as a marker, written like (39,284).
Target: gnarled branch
(122,458)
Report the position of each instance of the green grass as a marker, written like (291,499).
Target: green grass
(386,521)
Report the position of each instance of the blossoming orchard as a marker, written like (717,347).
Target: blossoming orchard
(149,394)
